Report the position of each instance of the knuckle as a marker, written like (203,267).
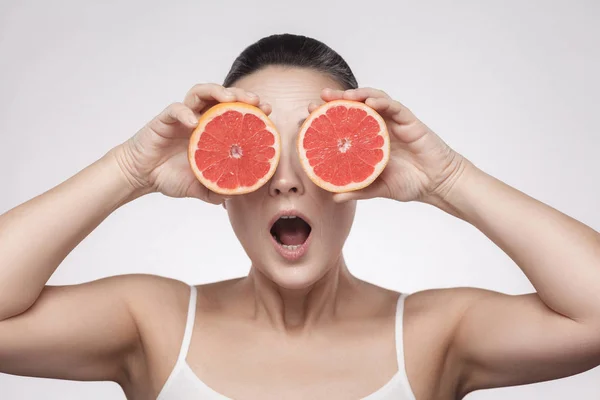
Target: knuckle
(175,107)
(237,91)
(203,88)
(377,91)
(214,88)
(196,88)
(200,86)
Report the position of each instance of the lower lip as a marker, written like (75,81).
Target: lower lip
(292,255)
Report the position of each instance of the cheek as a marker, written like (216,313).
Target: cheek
(247,217)
(337,221)
(242,221)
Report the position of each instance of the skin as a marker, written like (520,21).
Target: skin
(296,330)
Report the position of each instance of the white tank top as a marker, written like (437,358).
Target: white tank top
(183,384)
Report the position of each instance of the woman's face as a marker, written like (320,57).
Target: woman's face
(297,250)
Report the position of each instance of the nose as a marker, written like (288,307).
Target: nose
(287,178)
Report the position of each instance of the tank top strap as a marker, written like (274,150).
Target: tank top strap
(189,325)
(400,343)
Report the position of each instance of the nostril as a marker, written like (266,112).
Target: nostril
(285,183)
(290,190)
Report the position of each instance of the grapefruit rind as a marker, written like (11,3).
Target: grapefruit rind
(211,114)
(352,186)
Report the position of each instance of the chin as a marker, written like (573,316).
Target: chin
(295,277)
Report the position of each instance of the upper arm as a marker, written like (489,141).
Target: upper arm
(503,340)
(76,332)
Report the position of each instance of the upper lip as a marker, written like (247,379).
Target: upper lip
(289,211)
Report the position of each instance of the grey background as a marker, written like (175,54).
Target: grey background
(512,85)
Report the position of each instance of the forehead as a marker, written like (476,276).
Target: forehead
(287,89)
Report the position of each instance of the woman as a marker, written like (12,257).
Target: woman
(306,328)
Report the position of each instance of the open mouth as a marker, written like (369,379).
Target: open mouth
(290,231)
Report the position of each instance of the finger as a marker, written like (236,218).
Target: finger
(244,96)
(199,96)
(312,107)
(373,190)
(214,198)
(391,109)
(178,113)
(199,191)
(266,108)
(329,94)
(362,94)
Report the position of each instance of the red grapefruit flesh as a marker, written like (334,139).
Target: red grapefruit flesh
(234,149)
(343,145)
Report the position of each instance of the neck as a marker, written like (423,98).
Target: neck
(298,309)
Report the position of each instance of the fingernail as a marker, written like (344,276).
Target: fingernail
(193,120)
(228,93)
(250,94)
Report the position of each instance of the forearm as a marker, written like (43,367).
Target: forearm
(559,255)
(37,235)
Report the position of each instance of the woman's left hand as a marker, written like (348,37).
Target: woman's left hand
(421,167)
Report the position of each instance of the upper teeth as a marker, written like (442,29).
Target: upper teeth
(288,216)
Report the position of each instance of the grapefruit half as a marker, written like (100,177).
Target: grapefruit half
(234,149)
(343,145)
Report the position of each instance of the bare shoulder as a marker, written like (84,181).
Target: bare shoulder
(431,319)
(452,301)
(434,310)
(159,307)
(217,297)
(439,311)
(158,300)
(376,300)
(146,292)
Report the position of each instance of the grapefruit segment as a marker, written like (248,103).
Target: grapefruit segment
(234,149)
(343,145)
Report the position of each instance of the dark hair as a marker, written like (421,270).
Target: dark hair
(294,51)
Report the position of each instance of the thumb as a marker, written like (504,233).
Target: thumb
(373,190)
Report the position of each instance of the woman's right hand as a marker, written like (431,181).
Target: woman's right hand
(155,159)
